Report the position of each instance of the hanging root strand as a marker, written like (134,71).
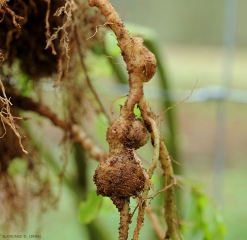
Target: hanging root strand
(6,116)
(15,18)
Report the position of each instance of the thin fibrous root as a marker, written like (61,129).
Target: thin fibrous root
(4,8)
(102,25)
(7,118)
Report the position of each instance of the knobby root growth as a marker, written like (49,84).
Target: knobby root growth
(122,175)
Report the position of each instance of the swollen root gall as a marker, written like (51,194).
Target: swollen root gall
(149,66)
(131,133)
(120,177)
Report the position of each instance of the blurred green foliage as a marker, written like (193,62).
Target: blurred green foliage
(17,166)
(203,219)
(88,209)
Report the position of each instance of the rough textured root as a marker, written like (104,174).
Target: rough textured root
(113,177)
(125,219)
(120,177)
(130,132)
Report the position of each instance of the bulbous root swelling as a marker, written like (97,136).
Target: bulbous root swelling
(130,133)
(122,175)
(140,62)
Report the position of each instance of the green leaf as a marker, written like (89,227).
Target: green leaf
(89,209)
(17,166)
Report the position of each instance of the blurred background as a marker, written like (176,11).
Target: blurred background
(202,59)
(203,45)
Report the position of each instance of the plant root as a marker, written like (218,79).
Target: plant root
(171,214)
(125,220)
(127,133)
(76,132)
(7,118)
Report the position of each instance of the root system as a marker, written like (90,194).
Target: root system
(42,39)
(122,175)
(46,38)
(40,34)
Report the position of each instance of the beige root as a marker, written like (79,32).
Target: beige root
(140,62)
(171,215)
(6,116)
(5,9)
(126,134)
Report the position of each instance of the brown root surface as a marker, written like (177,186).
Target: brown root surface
(140,61)
(120,177)
(131,133)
